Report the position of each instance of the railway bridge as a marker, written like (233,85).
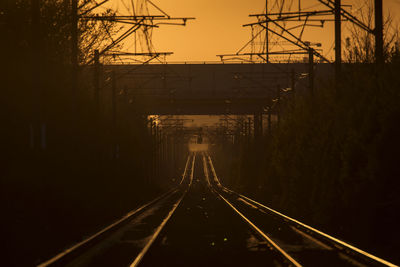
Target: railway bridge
(204,89)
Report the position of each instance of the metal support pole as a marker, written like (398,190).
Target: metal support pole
(74,51)
(150,159)
(278,105)
(293,85)
(173,155)
(378,33)
(114,100)
(165,147)
(159,151)
(266,32)
(338,46)
(245,132)
(151,142)
(96,80)
(114,113)
(257,126)
(269,121)
(311,71)
(249,128)
(155,150)
(36,76)
(299,5)
(255,133)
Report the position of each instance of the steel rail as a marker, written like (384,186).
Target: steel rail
(206,171)
(269,240)
(81,246)
(273,245)
(320,233)
(305,226)
(185,170)
(139,258)
(146,248)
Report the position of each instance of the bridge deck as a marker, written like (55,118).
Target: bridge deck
(204,88)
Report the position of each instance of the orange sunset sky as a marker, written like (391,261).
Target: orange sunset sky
(218,25)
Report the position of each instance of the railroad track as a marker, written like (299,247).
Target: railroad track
(299,244)
(131,235)
(203,223)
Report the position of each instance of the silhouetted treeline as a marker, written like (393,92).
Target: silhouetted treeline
(66,168)
(333,160)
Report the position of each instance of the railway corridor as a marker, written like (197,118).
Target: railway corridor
(205,232)
(202,223)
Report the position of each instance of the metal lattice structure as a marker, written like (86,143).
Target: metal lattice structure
(136,21)
(277,34)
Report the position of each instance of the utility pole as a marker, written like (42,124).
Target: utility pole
(97,81)
(299,5)
(155,149)
(246,131)
(159,152)
(378,31)
(311,71)
(338,45)
(249,128)
(74,51)
(278,105)
(38,138)
(255,125)
(266,32)
(152,149)
(293,84)
(114,113)
(158,161)
(35,79)
(269,120)
(258,126)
